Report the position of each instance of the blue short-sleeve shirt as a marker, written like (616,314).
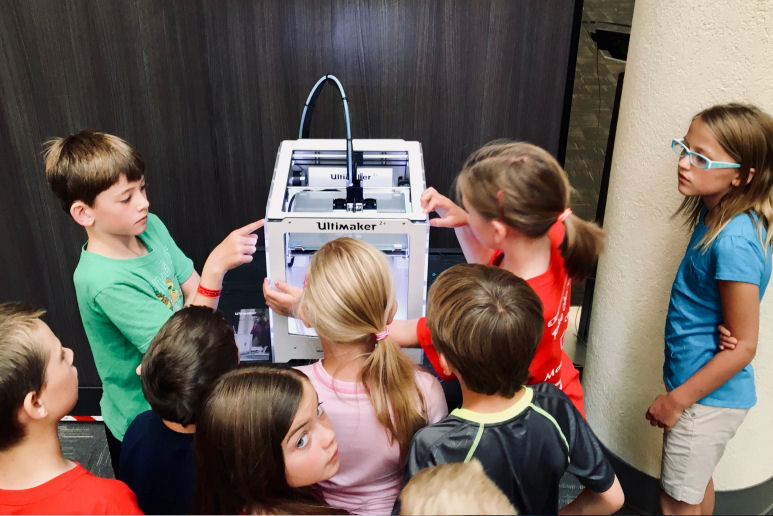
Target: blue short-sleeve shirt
(694,311)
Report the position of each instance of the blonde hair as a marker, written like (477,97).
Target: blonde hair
(23,362)
(348,298)
(534,192)
(459,488)
(746,133)
(81,166)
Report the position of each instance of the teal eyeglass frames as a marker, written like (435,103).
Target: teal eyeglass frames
(698,160)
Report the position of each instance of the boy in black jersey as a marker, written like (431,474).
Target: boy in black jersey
(486,324)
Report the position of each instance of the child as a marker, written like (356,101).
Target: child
(376,397)
(131,276)
(461,488)
(516,216)
(192,349)
(39,386)
(725,170)
(262,437)
(486,324)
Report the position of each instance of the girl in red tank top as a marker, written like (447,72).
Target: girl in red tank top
(515,215)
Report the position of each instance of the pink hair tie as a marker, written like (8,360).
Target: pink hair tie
(564,214)
(382,335)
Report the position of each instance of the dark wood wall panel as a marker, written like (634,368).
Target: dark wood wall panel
(207,89)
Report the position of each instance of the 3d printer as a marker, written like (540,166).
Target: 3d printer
(325,189)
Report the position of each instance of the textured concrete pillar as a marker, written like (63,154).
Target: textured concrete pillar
(683,56)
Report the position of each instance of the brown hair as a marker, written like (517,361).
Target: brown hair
(746,133)
(81,166)
(190,351)
(23,363)
(238,445)
(488,323)
(535,191)
(348,298)
(458,488)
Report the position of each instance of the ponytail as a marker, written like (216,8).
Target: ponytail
(523,186)
(389,377)
(348,299)
(581,247)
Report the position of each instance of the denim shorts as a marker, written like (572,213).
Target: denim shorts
(693,447)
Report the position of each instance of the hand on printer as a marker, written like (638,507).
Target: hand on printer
(283,299)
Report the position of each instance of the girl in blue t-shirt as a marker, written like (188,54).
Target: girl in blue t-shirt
(725,172)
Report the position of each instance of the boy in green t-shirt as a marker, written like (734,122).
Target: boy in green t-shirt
(131,276)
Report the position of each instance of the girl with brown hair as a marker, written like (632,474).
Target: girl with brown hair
(261,439)
(516,215)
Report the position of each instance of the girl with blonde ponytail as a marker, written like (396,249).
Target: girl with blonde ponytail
(375,396)
(516,215)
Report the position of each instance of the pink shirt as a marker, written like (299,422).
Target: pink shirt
(370,474)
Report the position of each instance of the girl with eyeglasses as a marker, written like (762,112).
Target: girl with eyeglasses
(725,172)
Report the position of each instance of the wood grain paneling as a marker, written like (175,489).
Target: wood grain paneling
(206,91)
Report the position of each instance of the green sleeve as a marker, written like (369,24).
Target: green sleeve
(135,313)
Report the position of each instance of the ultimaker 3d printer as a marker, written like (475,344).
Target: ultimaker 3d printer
(325,189)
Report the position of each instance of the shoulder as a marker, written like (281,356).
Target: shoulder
(147,417)
(434,397)
(426,382)
(94,273)
(305,369)
(548,395)
(84,270)
(155,222)
(740,237)
(139,426)
(743,225)
(436,434)
(558,411)
(554,405)
(105,495)
(317,376)
(548,390)
(156,228)
(308,370)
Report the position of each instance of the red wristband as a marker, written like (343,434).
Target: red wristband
(207,292)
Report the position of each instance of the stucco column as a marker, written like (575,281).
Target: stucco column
(683,56)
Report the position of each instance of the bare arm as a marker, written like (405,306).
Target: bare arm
(189,287)
(453,216)
(404,333)
(741,312)
(236,249)
(591,502)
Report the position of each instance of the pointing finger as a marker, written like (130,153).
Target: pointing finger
(252,226)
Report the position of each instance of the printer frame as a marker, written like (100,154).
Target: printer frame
(334,223)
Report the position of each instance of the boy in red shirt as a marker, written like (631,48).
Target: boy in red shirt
(38,386)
